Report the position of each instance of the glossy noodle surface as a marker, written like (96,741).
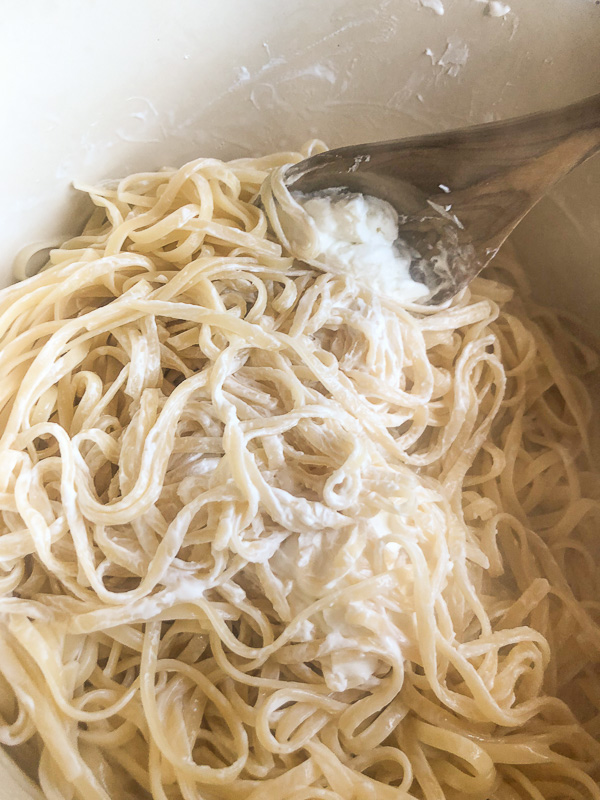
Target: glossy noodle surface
(265,535)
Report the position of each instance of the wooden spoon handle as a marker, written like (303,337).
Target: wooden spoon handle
(545,127)
(459,158)
(524,159)
(540,148)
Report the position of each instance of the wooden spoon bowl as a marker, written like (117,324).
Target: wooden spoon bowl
(460,193)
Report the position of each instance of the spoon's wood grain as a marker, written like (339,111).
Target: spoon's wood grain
(495,173)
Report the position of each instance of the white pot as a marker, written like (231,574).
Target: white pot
(92,90)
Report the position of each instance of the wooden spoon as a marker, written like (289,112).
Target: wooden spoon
(459,194)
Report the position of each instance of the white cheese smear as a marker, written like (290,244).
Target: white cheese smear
(358,234)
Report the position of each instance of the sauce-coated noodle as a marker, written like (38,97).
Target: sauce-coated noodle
(266,536)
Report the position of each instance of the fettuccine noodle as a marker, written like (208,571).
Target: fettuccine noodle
(265,535)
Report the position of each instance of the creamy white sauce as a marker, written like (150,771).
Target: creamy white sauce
(497,9)
(435,5)
(358,235)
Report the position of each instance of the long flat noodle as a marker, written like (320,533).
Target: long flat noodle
(265,535)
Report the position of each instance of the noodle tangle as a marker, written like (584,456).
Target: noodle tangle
(265,535)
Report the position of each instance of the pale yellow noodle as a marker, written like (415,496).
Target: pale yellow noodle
(265,535)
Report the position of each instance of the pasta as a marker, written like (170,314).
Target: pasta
(265,535)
